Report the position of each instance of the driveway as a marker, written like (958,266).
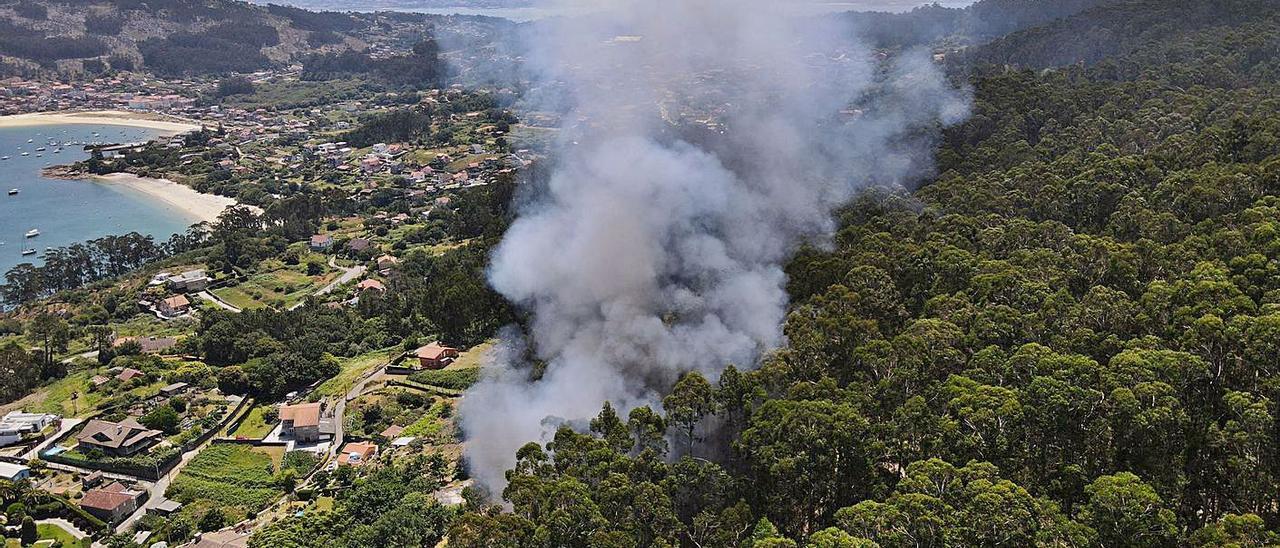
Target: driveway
(348,274)
(215,300)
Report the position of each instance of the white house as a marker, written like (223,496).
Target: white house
(14,472)
(16,424)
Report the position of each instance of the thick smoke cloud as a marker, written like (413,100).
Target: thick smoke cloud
(705,141)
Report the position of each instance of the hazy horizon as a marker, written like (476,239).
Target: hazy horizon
(524,9)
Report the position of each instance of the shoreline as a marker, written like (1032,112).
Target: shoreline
(167,126)
(194,204)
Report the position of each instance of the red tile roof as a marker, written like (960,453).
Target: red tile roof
(103,499)
(303,414)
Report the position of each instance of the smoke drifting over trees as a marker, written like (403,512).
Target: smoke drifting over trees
(706,141)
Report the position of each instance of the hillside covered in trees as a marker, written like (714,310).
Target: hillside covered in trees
(167,37)
(1069,337)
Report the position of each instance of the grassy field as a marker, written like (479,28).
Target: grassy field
(237,478)
(293,93)
(474,357)
(52,532)
(352,369)
(56,397)
(254,426)
(453,379)
(283,286)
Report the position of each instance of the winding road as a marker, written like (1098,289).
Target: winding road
(348,274)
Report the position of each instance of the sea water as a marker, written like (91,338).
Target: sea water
(70,211)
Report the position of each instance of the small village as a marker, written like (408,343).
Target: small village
(141,438)
(149,442)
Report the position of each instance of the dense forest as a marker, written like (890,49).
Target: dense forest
(1069,337)
(421,68)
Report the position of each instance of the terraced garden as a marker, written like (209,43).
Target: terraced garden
(237,479)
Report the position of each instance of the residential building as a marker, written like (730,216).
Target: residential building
(111,503)
(359,244)
(370,284)
(176,305)
(14,472)
(435,355)
(300,422)
(165,507)
(127,374)
(120,439)
(16,425)
(321,242)
(229,538)
(93,479)
(189,281)
(387,262)
(149,345)
(174,389)
(357,453)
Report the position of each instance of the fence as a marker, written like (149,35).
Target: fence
(153,472)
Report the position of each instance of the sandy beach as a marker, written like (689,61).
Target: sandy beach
(198,206)
(165,125)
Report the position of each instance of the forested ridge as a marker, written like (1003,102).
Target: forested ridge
(1070,337)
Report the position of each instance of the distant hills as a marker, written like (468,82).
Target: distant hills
(168,37)
(1123,27)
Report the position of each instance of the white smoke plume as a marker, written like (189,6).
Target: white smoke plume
(705,140)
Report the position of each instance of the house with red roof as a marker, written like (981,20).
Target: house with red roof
(357,453)
(436,355)
(111,503)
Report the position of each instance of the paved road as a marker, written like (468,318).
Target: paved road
(348,274)
(341,407)
(90,354)
(215,300)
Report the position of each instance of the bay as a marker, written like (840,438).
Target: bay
(70,211)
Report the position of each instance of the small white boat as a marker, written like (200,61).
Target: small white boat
(28,251)
(41,149)
(13,191)
(33,233)
(4,157)
(29,140)
(26,153)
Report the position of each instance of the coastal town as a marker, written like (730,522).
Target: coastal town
(142,434)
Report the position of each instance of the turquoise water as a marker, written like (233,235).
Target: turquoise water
(65,211)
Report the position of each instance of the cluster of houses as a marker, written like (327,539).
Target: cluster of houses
(17,426)
(177,304)
(123,374)
(123,90)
